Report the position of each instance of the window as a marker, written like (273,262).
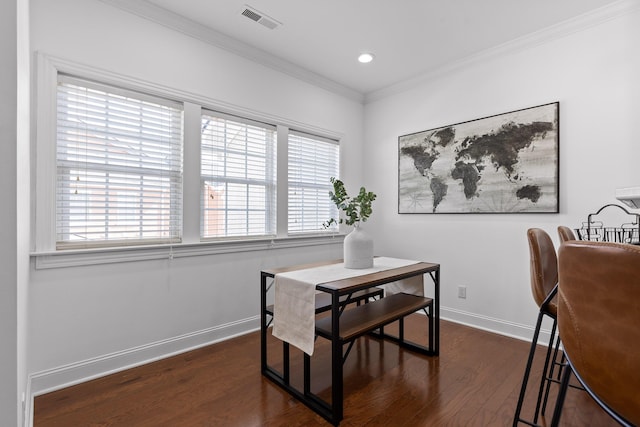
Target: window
(119,167)
(312,162)
(124,162)
(238,177)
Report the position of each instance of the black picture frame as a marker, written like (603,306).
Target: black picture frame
(505,163)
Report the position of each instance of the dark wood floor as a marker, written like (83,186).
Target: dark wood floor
(474,382)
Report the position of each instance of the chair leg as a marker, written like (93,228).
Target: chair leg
(527,371)
(564,384)
(546,374)
(550,378)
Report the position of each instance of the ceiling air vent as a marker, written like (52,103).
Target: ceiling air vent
(260,17)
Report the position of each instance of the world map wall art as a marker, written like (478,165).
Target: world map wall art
(507,163)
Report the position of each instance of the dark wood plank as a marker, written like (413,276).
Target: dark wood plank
(365,318)
(379,278)
(474,382)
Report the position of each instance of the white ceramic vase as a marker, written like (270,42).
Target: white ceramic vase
(358,249)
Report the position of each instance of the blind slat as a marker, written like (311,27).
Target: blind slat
(119,163)
(238,172)
(312,162)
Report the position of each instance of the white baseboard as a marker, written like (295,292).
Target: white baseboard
(27,410)
(75,373)
(492,324)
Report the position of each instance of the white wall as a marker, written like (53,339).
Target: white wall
(8,236)
(23,200)
(136,311)
(594,74)
(14,190)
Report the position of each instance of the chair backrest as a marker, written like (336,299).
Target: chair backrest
(565,234)
(543,265)
(599,320)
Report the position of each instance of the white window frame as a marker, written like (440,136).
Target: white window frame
(269,182)
(311,184)
(78,134)
(44,200)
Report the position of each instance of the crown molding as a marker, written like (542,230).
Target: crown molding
(201,32)
(159,15)
(563,29)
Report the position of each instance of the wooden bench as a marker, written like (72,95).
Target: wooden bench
(368,318)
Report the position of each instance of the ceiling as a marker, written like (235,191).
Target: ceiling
(408,37)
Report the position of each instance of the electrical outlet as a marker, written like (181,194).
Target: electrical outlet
(462,292)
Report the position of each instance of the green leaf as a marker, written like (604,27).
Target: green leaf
(355,209)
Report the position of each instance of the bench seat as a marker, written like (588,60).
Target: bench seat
(369,317)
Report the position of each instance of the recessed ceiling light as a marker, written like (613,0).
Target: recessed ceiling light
(365,58)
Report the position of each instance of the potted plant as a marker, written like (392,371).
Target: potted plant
(358,245)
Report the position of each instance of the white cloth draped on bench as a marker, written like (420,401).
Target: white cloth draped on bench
(295,291)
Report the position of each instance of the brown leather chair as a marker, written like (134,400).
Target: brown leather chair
(565,234)
(544,278)
(599,318)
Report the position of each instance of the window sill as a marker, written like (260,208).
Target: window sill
(83,257)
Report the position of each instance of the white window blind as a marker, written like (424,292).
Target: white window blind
(238,177)
(119,166)
(312,162)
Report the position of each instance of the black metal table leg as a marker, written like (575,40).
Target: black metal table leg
(336,360)
(263,322)
(435,276)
